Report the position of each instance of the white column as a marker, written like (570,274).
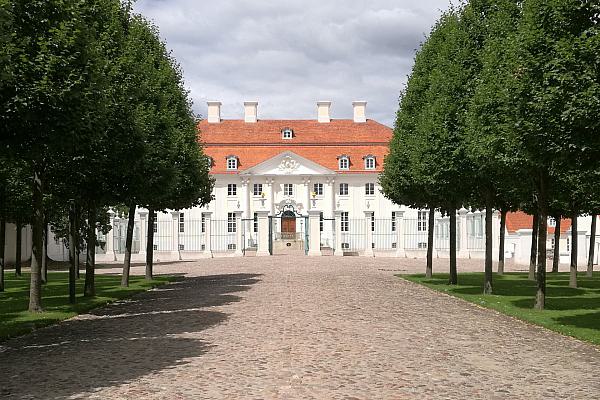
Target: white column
(263,233)
(463,251)
(400,251)
(369,240)
(271,184)
(207,233)
(238,234)
(331,184)
(175,235)
(247,193)
(143,230)
(314,223)
(110,236)
(307,188)
(338,233)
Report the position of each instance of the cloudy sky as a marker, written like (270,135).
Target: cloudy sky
(289,54)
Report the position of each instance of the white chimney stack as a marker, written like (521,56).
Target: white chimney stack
(360,111)
(250,111)
(214,112)
(323,108)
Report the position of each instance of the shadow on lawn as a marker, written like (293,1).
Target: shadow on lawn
(585,320)
(151,332)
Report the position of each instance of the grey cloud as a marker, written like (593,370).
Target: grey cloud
(289,54)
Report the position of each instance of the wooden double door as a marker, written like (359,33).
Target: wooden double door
(288,227)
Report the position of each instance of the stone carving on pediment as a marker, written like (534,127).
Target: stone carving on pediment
(288,165)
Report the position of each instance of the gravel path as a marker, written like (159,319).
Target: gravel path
(296,328)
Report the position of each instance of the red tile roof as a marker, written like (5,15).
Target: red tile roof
(520,220)
(322,143)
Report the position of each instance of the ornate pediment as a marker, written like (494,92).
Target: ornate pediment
(288,163)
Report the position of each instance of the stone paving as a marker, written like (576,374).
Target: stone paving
(296,328)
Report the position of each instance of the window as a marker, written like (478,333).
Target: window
(232,162)
(257,189)
(321,222)
(318,189)
(255,222)
(181,247)
(155,224)
(551,222)
(231,225)
(568,245)
(370,189)
(369,162)
(287,133)
(345,222)
(422,221)
(288,189)
(343,189)
(393,221)
(231,189)
(344,162)
(422,245)
(181,223)
(209,161)
(203,224)
(231,246)
(154,247)
(346,246)
(373,222)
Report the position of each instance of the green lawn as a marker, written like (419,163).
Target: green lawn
(573,312)
(16,320)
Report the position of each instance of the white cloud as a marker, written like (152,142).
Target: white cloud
(289,54)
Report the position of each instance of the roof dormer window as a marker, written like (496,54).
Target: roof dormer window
(232,163)
(344,162)
(287,133)
(369,161)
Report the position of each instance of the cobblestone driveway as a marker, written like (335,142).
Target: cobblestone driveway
(296,328)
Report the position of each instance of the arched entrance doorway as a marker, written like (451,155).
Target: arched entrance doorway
(288,225)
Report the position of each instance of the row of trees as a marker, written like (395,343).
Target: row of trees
(94,114)
(501,112)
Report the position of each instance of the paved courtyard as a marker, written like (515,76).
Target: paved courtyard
(296,328)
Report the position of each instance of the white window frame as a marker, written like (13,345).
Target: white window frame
(393,221)
(257,189)
(344,163)
(345,190)
(344,221)
(181,223)
(422,217)
(231,224)
(318,189)
(288,189)
(255,223)
(203,224)
(287,134)
(370,162)
(232,189)
(232,163)
(369,189)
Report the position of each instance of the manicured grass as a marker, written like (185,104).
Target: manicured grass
(573,312)
(16,320)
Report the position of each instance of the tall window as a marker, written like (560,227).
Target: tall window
(344,162)
(369,162)
(203,224)
(155,225)
(318,189)
(288,189)
(422,221)
(232,162)
(369,189)
(373,222)
(255,222)
(231,225)
(321,222)
(393,221)
(345,222)
(551,222)
(343,189)
(231,189)
(181,223)
(257,189)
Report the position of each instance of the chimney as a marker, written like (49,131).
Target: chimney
(360,111)
(250,111)
(323,111)
(214,112)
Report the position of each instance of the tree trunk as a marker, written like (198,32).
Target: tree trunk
(72,251)
(590,264)
(573,267)
(90,260)
(487,283)
(45,251)
(128,242)
(77,248)
(2,246)
(35,287)
(18,246)
(556,256)
(150,244)
(502,239)
(540,297)
(430,231)
(534,245)
(453,274)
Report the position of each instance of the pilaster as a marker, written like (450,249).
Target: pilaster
(369,235)
(314,220)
